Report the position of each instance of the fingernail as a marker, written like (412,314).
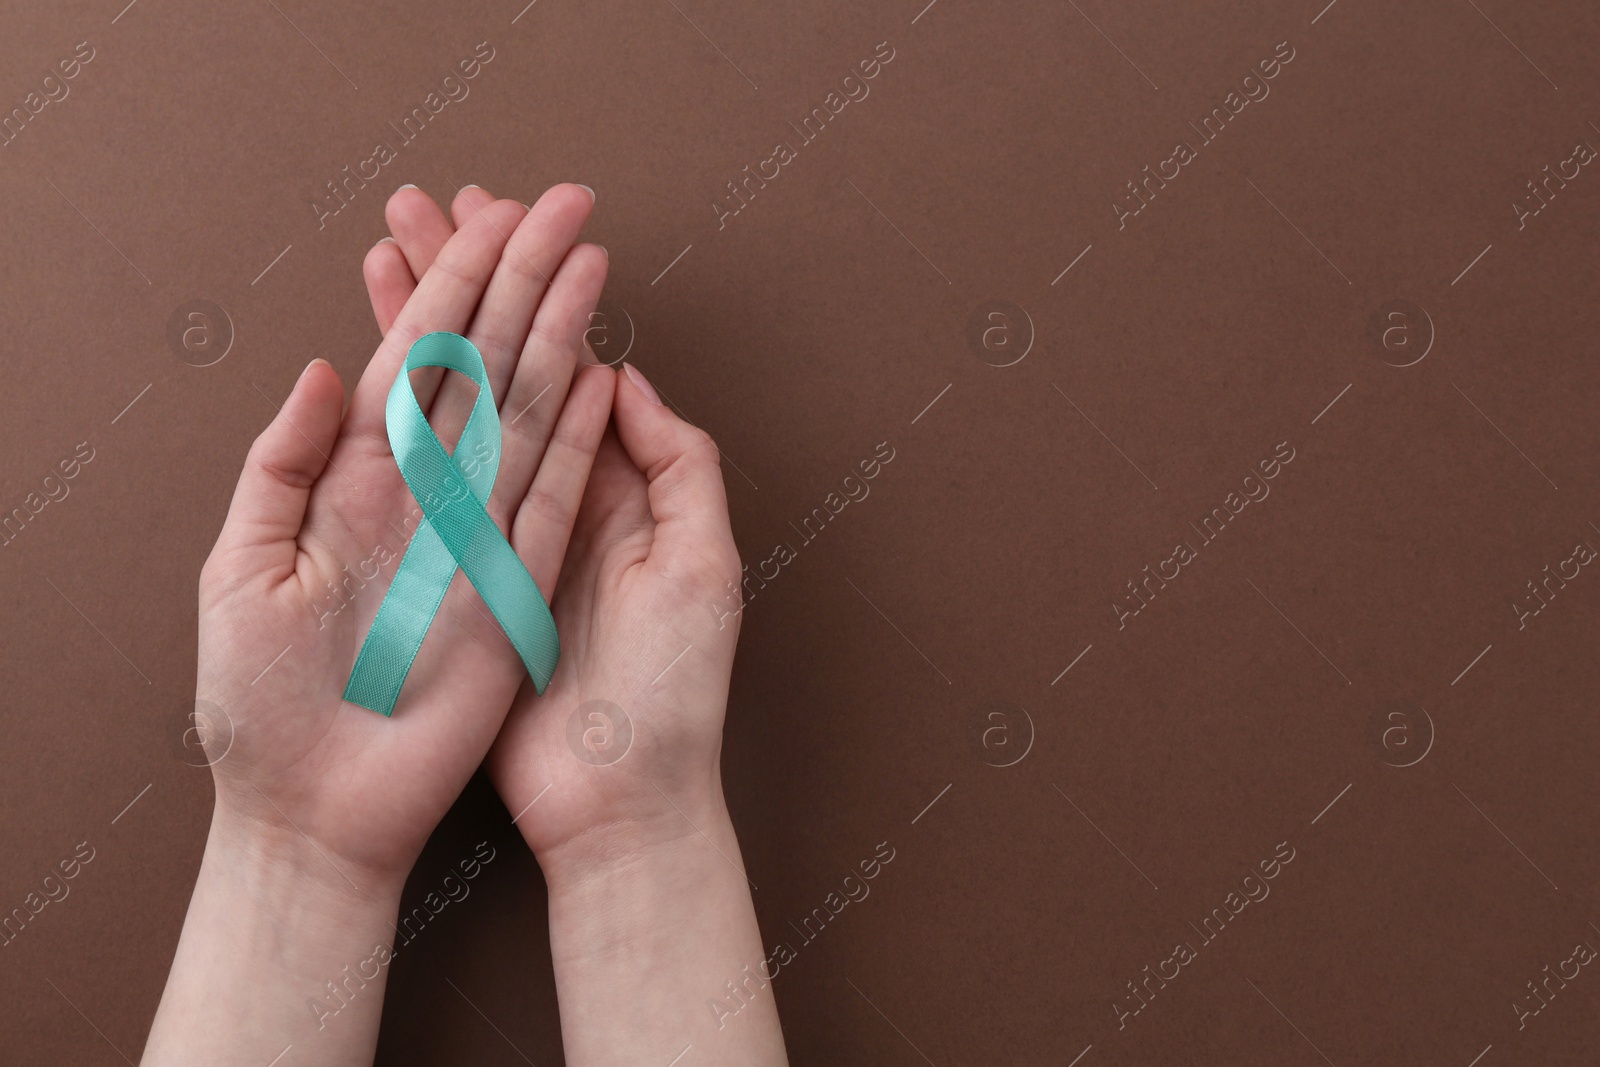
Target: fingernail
(390,240)
(464,188)
(407,185)
(313,363)
(640,384)
(586,189)
(603,249)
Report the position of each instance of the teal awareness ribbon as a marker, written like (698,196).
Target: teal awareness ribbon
(456,531)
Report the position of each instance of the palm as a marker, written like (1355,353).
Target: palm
(322,517)
(632,603)
(295,739)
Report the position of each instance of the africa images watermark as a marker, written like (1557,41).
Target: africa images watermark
(353,978)
(1542,591)
(599,733)
(752,979)
(1143,190)
(1542,992)
(743,189)
(341,190)
(56,486)
(1256,490)
(1142,991)
(53,89)
(53,890)
(810,528)
(1542,191)
(342,594)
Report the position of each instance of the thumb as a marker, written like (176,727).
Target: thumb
(269,502)
(683,466)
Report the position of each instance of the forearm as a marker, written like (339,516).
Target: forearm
(279,948)
(648,942)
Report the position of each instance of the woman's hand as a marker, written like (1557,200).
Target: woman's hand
(613,774)
(322,806)
(322,517)
(646,606)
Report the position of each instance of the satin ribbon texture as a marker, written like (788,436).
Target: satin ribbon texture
(456,531)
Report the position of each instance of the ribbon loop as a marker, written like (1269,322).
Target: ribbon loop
(456,532)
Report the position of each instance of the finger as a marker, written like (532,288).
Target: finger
(616,504)
(445,299)
(390,282)
(418,225)
(538,390)
(684,467)
(544,520)
(269,503)
(453,394)
(500,328)
(468,199)
(421,229)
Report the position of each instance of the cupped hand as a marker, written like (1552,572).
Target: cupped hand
(320,520)
(621,753)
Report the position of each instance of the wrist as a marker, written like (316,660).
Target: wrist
(278,869)
(279,946)
(661,920)
(664,829)
(258,837)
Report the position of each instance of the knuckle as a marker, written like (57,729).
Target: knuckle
(455,269)
(285,473)
(523,268)
(703,447)
(548,336)
(402,335)
(545,507)
(496,343)
(569,439)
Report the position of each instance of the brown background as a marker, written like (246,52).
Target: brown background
(812,327)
